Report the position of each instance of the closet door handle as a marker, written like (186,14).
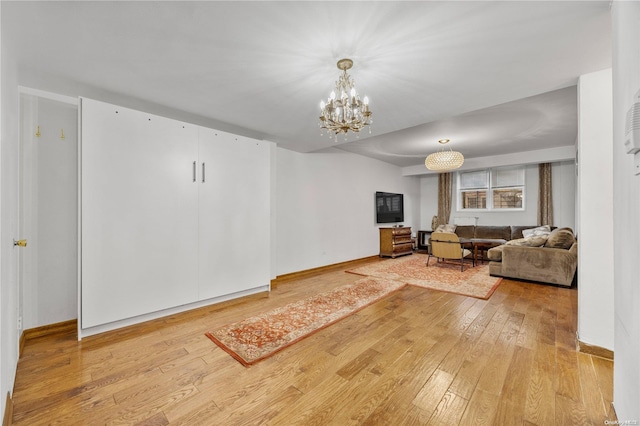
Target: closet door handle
(203,172)
(194,171)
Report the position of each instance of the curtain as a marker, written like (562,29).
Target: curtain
(444,198)
(545,195)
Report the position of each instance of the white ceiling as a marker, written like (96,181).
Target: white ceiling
(494,77)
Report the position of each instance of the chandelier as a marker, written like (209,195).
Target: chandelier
(344,110)
(444,160)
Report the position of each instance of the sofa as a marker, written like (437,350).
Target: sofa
(549,255)
(489,236)
(551,258)
(501,234)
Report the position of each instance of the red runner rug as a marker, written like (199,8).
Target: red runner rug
(444,276)
(261,336)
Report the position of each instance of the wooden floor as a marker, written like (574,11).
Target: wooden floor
(418,357)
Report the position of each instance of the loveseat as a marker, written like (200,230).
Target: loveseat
(551,258)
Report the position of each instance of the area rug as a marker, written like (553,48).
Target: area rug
(261,336)
(443,276)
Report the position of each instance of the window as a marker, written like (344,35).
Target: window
(473,187)
(500,188)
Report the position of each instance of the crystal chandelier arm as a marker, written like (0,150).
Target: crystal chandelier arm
(345,110)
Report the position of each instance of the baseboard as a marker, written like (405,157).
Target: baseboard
(21,344)
(8,411)
(63,327)
(327,268)
(612,411)
(595,350)
(122,325)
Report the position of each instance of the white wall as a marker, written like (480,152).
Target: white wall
(528,216)
(325,207)
(9,161)
(563,175)
(626,214)
(49,211)
(595,203)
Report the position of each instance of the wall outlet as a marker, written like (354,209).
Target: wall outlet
(19,323)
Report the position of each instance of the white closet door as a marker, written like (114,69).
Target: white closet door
(234,235)
(139,213)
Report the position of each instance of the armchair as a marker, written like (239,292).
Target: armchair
(447,245)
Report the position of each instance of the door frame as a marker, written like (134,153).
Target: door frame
(25,265)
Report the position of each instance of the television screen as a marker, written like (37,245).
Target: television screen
(389,207)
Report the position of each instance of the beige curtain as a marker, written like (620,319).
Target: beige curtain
(545,195)
(444,198)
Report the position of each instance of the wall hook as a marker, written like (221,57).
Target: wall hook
(20,243)
(62,134)
(38,132)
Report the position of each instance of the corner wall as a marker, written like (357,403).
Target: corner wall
(626,214)
(9,161)
(595,204)
(325,207)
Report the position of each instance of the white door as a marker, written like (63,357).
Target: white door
(139,213)
(234,235)
(49,210)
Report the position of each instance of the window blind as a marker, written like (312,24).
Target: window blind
(503,177)
(474,180)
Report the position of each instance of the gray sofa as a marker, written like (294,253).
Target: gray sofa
(501,234)
(552,259)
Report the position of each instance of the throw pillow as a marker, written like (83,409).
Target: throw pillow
(446,228)
(561,238)
(535,241)
(540,230)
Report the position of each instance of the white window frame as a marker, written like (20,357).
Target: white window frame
(491,186)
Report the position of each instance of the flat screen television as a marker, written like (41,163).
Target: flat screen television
(389,207)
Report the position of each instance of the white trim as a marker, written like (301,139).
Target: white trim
(79,206)
(86,332)
(48,95)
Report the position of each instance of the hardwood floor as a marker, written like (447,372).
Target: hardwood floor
(417,357)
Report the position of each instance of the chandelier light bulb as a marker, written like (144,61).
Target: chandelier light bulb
(347,112)
(322,105)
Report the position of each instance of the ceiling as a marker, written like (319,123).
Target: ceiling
(494,77)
